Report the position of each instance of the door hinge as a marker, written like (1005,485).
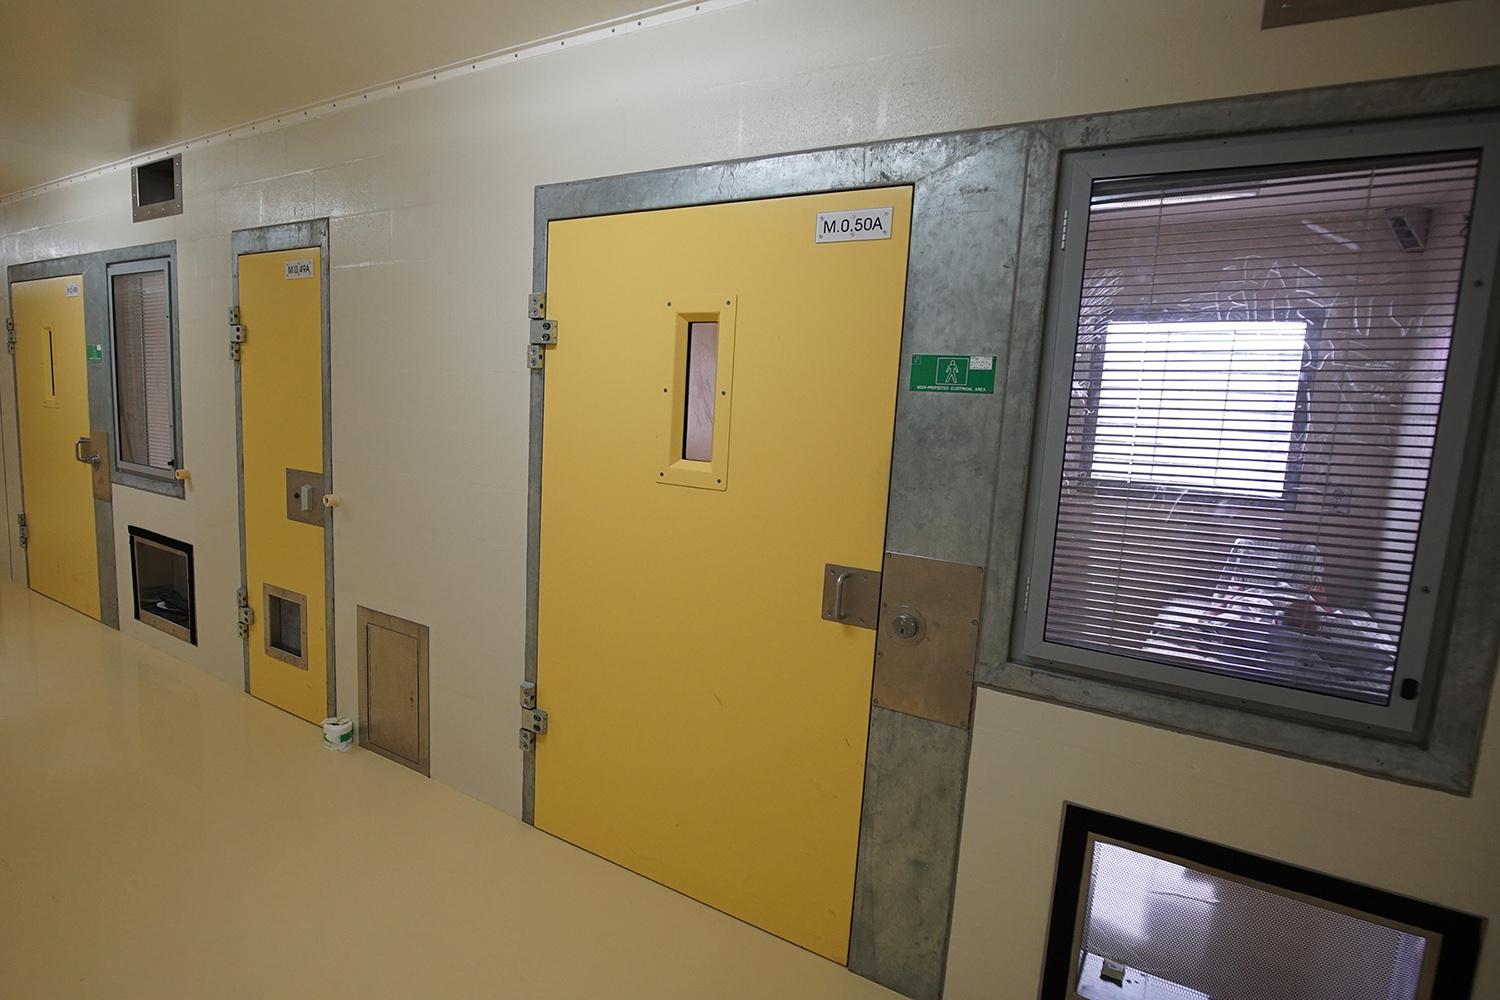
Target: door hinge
(10,335)
(1063,245)
(236,333)
(533,719)
(543,330)
(245,613)
(1026,597)
(25,533)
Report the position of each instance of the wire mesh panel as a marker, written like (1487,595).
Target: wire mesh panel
(1257,377)
(1178,931)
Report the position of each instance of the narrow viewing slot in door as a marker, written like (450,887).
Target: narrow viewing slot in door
(696,392)
(700,390)
(51,368)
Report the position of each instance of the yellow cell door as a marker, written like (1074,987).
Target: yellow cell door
(52,398)
(282,433)
(718,418)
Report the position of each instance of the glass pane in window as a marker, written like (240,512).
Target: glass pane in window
(143,369)
(1256,382)
(1154,928)
(1205,405)
(702,389)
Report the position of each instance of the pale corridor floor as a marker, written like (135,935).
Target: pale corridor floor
(163,835)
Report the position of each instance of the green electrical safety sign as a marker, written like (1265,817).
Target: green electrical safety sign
(952,373)
(95,352)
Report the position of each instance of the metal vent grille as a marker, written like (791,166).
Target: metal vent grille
(1154,928)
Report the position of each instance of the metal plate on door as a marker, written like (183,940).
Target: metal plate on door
(851,596)
(928,637)
(99,445)
(304,496)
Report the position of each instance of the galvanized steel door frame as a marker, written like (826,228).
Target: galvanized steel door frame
(98,329)
(950,226)
(983,231)
(269,239)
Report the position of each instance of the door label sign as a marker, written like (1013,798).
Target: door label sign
(860,224)
(952,373)
(299,269)
(71,290)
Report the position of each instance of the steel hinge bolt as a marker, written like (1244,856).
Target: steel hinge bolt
(236,333)
(544,331)
(533,719)
(245,614)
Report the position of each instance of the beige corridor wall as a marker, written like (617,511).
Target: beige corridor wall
(430,195)
(1030,758)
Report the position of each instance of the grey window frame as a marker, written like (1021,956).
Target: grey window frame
(1456,454)
(130,473)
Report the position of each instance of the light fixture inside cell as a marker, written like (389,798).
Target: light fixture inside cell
(1174,199)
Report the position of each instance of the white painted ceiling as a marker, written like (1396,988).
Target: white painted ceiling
(89,82)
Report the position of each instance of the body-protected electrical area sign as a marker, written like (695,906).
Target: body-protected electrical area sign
(971,373)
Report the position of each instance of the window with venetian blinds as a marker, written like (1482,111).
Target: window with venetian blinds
(143,368)
(1256,381)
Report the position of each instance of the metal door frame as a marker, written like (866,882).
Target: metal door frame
(954,230)
(269,239)
(983,231)
(98,329)
(580,200)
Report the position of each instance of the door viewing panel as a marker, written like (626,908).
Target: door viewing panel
(57,474)
(282,414)
(717,430)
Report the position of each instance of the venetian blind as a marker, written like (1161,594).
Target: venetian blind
(143,369)
(1257,378)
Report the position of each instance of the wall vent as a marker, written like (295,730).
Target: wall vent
(156,189)
(1143,912)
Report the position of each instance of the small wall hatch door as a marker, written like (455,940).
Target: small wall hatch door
(393,702)
(282,423)
(718,420)
(58,455)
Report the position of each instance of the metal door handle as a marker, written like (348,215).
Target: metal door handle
(78,452)
(839,612)
(304,498)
